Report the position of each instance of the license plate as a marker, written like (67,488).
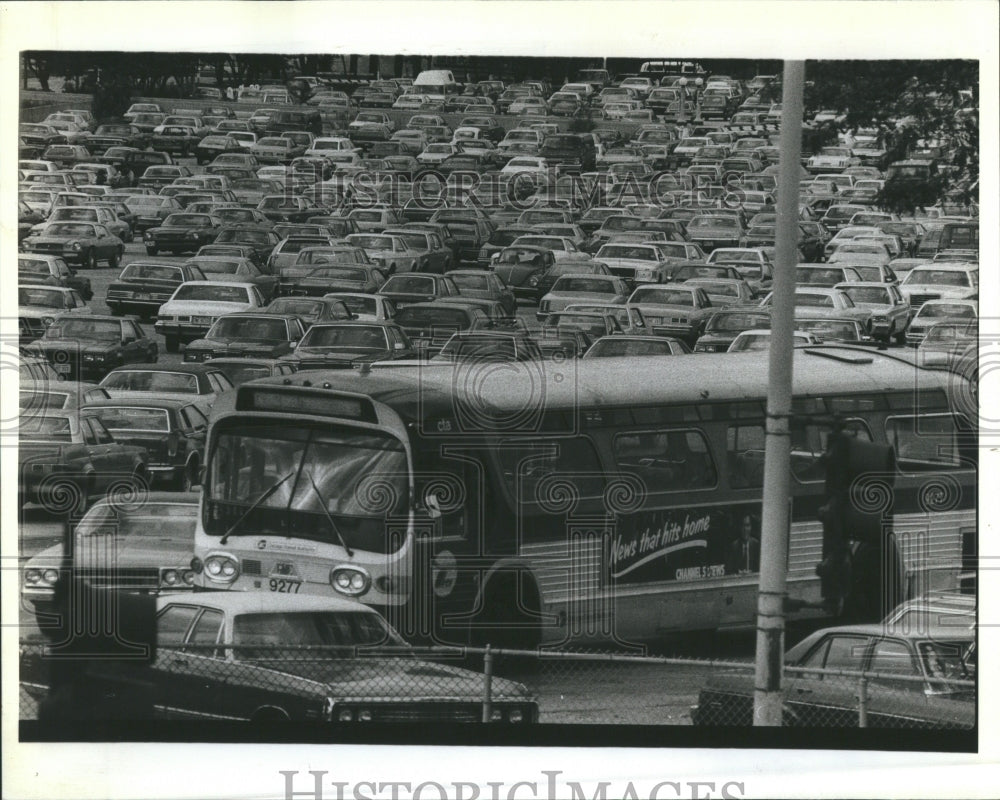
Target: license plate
(63,368)
(142,296)
(284,586)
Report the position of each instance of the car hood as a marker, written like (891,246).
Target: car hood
(49,239)
(400,679)
(38,312)
(148,550)
(325,355)
(630,263)
(235,346)
(516,274)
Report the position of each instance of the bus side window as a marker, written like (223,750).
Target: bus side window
(532,469)
(667,460)
(809,443)
(745,456)
(928,442)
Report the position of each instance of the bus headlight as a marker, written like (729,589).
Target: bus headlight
(169,577)
(222,568)
(350,580)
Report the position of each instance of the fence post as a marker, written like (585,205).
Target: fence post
(488,685)
(863,702)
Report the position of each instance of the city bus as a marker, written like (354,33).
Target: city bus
(552,502)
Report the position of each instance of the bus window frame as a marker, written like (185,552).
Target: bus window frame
(706,439)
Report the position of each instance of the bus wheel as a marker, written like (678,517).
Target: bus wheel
(509,617)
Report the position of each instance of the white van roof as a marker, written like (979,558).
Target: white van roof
(434,77)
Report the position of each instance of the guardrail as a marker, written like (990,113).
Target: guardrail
(485,685)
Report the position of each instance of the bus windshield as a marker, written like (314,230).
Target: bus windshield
(293,479)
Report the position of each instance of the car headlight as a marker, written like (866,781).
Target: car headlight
(533,280)
(48,320)
(50,576)
(32,577)
(75,245)
(170,577)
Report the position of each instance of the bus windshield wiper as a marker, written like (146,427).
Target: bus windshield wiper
(329,517)
(256,504)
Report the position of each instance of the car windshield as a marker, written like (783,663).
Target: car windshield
(219,294)
(45,428)
(371,242)
(70,229)
(663,297)
(829,329)
(188,220)
(713,222)
(631,347)
(873,295)
(813,300)
(720,288)
(347,336)
(248,236)
(946,311)
(297,305)
(936,277)
(732,323)
(685,273)
(818,276)
(590,285)
(219,267)
(151,381)
(259,636)
(251,328)
(470,281)
(48,298)
(417,317)
(133,418)
(409,283)
(77,214)
(72,328)
(626,251)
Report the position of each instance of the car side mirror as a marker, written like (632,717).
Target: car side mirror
(293,344)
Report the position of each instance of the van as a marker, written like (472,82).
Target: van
(439,84)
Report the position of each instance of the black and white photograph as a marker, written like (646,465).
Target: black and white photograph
(498,400)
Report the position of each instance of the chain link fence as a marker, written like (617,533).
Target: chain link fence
(404,684)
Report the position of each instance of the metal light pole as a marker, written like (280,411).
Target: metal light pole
(777,448)
(681,116)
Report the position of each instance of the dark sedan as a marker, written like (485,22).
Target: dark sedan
(521,268)
(210,665)
(80,243)
(319,278)
(241,370)
(310,309)
(88,346)
(171,431)
(430,325)
(417,288)
(66,456)
(182,233)
(175,139)
(255,334)
(345,345)
(144,286)
(485,285)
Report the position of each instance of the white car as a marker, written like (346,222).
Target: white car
(195,305)
(329,145)
(525,164)
(436,153)
(832,159)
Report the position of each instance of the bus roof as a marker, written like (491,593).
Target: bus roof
(442,391)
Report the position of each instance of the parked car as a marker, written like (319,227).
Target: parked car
(85,346)
(677,311)
(257,334)
(417,288)
(933,654)
(642,346)
(760,340)
(37,395)
(144,286)
(581,287)
(171,431)
(890,310)
(310,309)
(80,243)
(195,305)
(429,325)
(198,384)
(182,232)
(38,306)
(486,285)
(243,369)
(47,270)
(935,312)
(343,345)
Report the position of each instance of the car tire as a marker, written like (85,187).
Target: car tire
(173,344)
(154,354)
(151,251)
(90,262)
(187,479)
(505,618)
(900,337)
(115,259)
